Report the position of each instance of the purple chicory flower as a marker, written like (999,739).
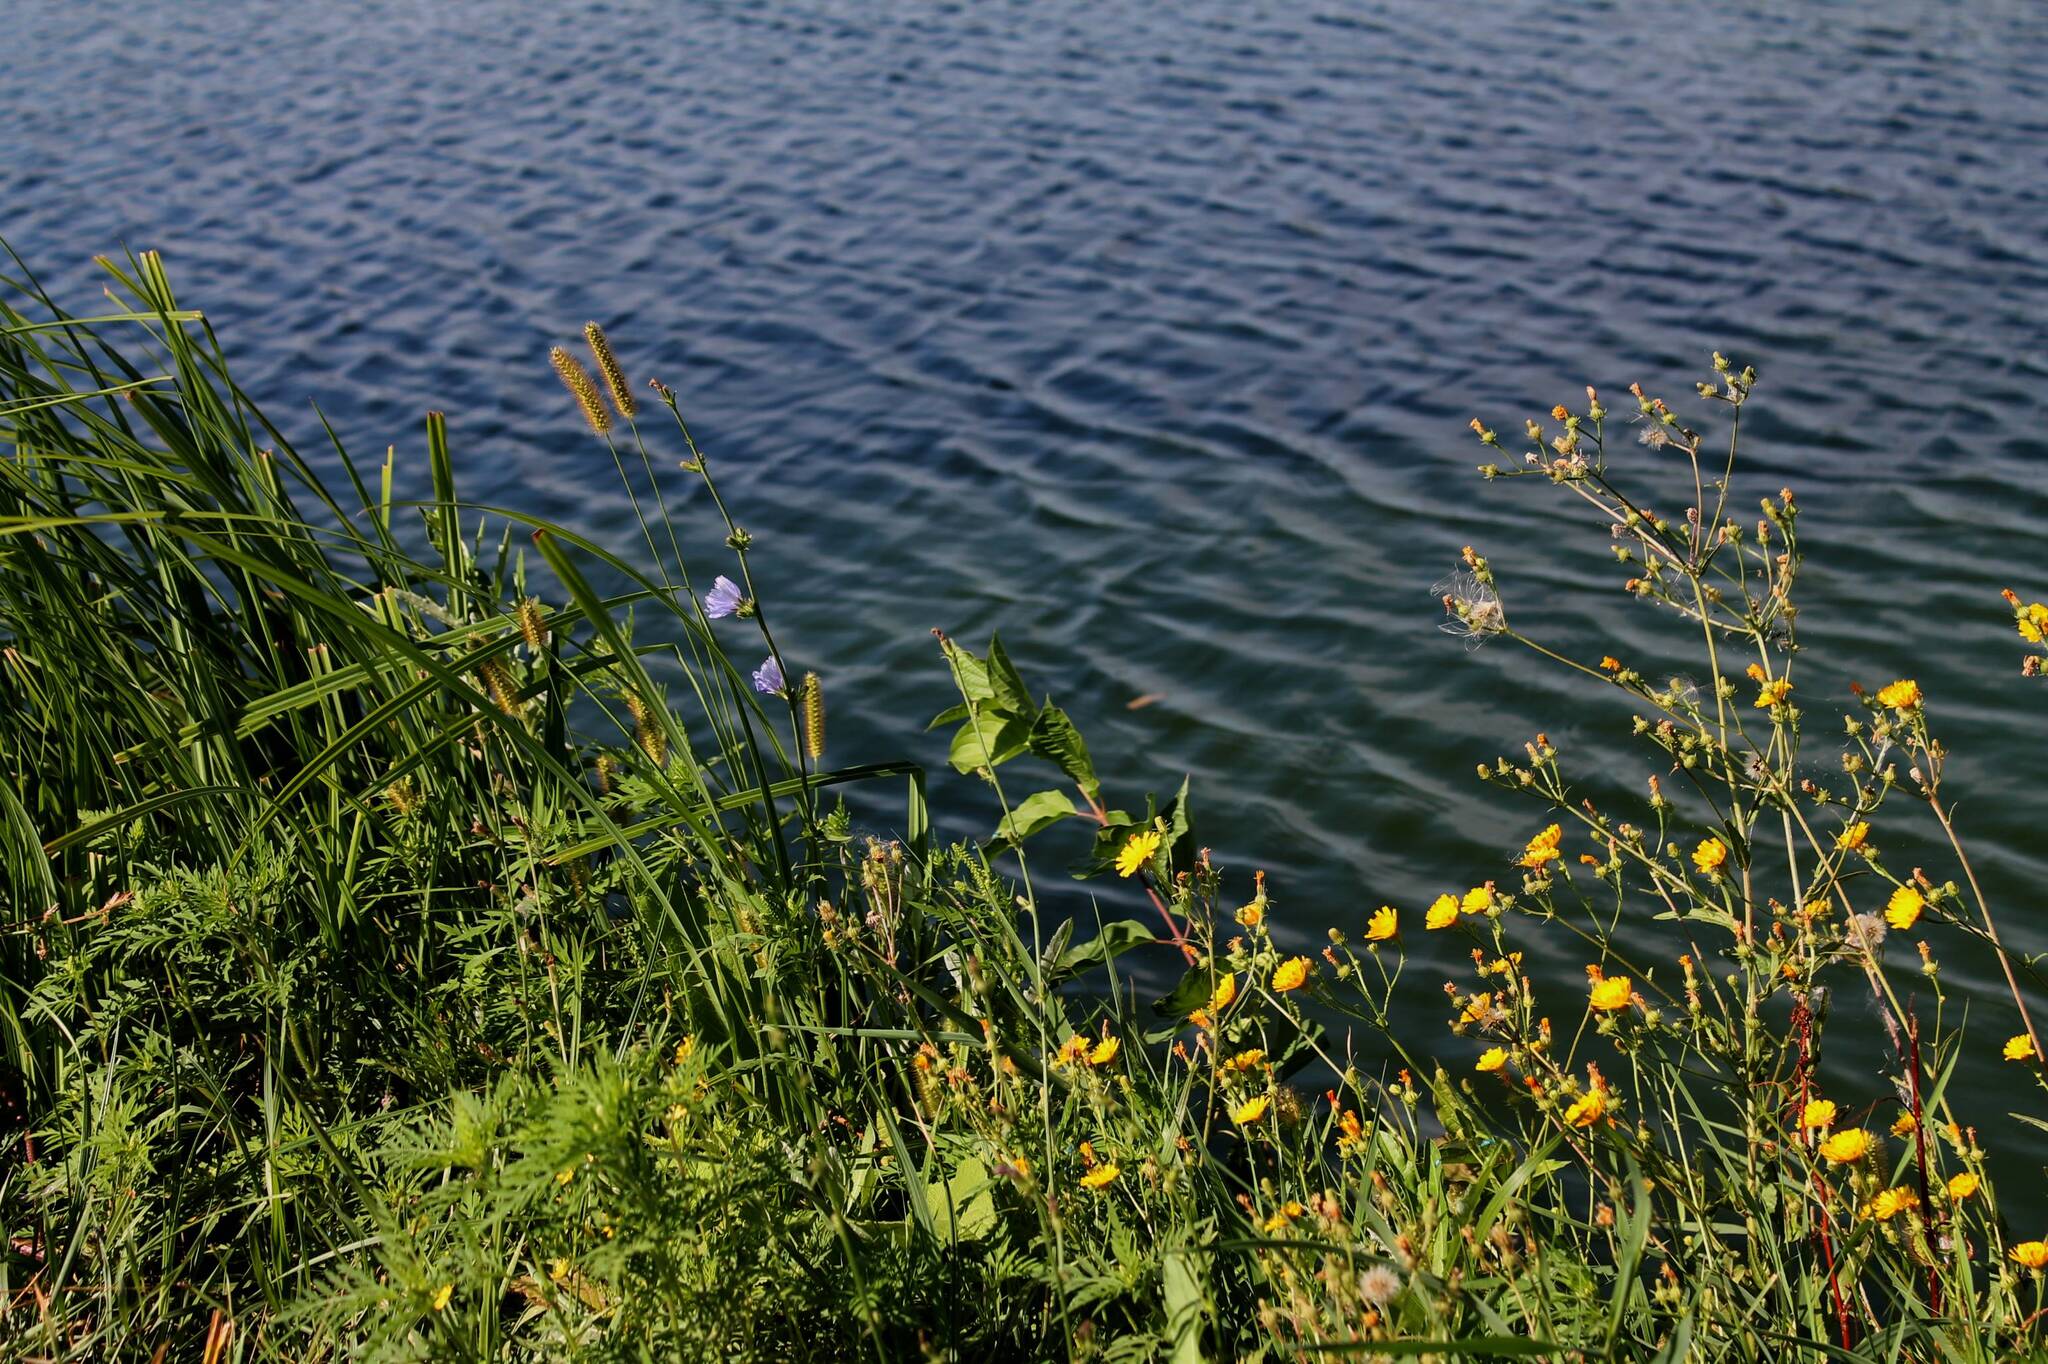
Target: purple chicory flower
(723,599)
(768,678)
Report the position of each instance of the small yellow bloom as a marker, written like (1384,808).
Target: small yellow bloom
(1291,974)
(1073,1051)
(1245,1060)
(1137,852)
(1559,413)
(1224,994)
(1350,1132)
(1587,1109)
(564,1176)
(1904,1125)
(1490,1060)
(1477,1008)
(1903,910)
(1709,856)
(1773,693)
(2033,623)
(2020,1048)
(1612,993)
(1253,914)
(1854,837)
(1104,1052)
(444,1295)
(1477,900)
(1891,1202)
(1962,1186)
(1846,1147)
(1442,913)
(1610,664)
(2031,1254)
(1818,1114)
(1542,849)
(1383,924)
(1101,1177)
(1902,695)
(1250,1111)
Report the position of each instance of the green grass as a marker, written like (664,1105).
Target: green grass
(424,941)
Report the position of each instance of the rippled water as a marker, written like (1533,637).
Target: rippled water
(1149,334)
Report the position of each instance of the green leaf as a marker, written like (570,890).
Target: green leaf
(1011,695)
(1054,738)
(1040,811)
(1112,940)
(1197,984)
(987,742)
(963,1208)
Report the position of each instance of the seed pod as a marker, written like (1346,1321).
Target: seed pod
(812,698)
(582,389)
(608,366)
(498,682)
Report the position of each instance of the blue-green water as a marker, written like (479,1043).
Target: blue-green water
(1149,335)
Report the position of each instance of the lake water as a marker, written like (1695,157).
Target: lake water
(1148,334)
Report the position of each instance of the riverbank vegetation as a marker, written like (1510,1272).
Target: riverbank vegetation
(433,934)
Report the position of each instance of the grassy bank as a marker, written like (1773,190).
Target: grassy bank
(433,934)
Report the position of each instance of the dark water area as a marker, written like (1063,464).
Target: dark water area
(1149,335)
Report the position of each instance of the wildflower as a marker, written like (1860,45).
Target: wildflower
(1905,1125)
(2020,1048)
(1854,837)
(768,679)
(1350,1133)
(1865,931)
(1252,915)
(724,599)
(1245,1060)
(1104,1052)
(2030,1254)
(1442,914)
(1612,993)
(1291,974)
(685,1047)
(1587,1109)
(1379,1284)
(1559,413)
(1137,852)
(444,1295)
(1473,607)
(1774,693)
(1542,849)
(1383,924)
(1250,1111)
(1101,1177)
(1477,1008)
(564,1176)
(1710,856)
(1491,1060)
(1225,992)
(1962,1186)
(1891,1202)
(1477,900)
(1609,663)
(1903,909)
(2033,622)
(1073,1051)
(1818,1114)
(1902,695)
(1846,1147)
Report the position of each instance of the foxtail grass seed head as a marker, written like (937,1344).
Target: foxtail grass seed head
(582,389)
(608,366)
(533,625)
(812,696)
(647,730)
(498,682)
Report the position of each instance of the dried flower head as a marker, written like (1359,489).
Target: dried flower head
(578,381)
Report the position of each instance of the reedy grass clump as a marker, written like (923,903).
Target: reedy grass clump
(415,956)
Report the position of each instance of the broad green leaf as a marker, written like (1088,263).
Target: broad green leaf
(1110,941)
(963,1208)
(1035,812)
(987,742)
(1012,697)
(1054,738)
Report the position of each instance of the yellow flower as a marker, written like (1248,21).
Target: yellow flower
(1253,914)
(1250,1111)
(2019,1048)
(1224,994)
(1101,1177)
(564,1176)
(1477,900)
(1442,914)
(1350,1132)
(1542,849)
(1477,1008)
(1891,1202)
(1291,974)
(1846,1147)
(1818,1113)
(1245,1060)
(1073,1051)
(1853,838)
(1609,663)
(1137,852)
(1904,1125)
(1709,856)
(1612,993)
(444,1295)
(1962,1186)
(2031,1254)
(1490,1060)
(1383,924)
(1903,910)
(1774,693)
(1104,1052)
(2033,623)
(1902,695)
(1587,1109)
